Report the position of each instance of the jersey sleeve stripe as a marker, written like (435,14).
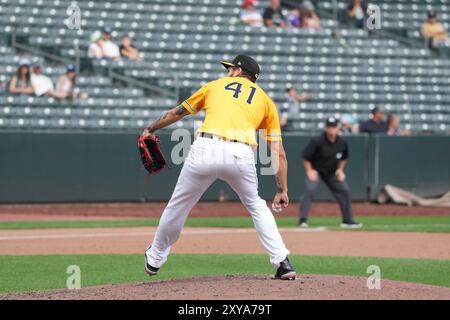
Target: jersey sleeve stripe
(189,106)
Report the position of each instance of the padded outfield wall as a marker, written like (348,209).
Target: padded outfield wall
(103,167)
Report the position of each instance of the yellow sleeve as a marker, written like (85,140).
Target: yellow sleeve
(195,102)
(270,126)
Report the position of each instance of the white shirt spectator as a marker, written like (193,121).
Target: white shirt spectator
(111,50)
(95,51)
(41,84)
(251,17)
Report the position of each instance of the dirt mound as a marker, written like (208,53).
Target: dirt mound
(305,287)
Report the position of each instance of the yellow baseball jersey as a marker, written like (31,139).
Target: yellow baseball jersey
(235,109)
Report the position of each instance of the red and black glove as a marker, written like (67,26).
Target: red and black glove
(151,154)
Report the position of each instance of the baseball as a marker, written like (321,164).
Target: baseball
(275,209)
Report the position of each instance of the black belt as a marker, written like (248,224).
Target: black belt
(212,136)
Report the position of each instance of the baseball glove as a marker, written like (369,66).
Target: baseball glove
(151,154)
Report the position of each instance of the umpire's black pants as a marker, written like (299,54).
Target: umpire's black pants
(340,190)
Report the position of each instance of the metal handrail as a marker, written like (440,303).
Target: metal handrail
(139,83)
(383,33)
(39,52)
(164,92)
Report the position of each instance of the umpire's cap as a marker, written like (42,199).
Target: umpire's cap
(376,109)
(331,122)
(246,63)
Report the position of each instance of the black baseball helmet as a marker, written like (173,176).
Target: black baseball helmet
(246,63)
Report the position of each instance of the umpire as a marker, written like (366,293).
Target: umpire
(325,157)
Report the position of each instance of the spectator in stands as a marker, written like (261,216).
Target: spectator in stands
(347,124)
(273,15)
(95,50)
(294,18)
(128,50)
(376,124)
(310,19)
(66,85)
(249,16)
(110,49)
(433,31)
(20,83)
(393,122)
(357,12)
(293,101)
(42,85)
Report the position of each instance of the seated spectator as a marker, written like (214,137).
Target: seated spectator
(42,85)
(393,123)
(376,124)
(293,100)
(310,19)
(348,124)
(357,12)
(433,31)
(249,16)
(294,18)
(110,49)
(273,15)
(95,50)
(127,50)
(20,83)
(66,85)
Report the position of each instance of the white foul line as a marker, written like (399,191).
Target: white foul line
(140,234)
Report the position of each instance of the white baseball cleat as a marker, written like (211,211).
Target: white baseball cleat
(351,225)
(303,225)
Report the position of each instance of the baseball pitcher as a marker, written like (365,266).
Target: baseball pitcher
(235,109)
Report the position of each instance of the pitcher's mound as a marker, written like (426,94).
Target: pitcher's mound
(249,288)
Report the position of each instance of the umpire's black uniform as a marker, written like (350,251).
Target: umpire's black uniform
(325,156)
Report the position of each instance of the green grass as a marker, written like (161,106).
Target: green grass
(381,223)
(29,273)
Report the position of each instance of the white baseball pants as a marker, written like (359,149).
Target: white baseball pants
(208,160)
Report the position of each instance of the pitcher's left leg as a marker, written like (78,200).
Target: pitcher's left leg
(245,183)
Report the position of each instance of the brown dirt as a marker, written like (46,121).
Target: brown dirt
(207,240)
(202,209)
(226,240)
(306,287)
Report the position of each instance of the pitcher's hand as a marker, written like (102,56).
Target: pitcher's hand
(281,200)
(147,133)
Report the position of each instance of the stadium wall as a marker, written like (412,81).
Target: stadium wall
(104,167)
